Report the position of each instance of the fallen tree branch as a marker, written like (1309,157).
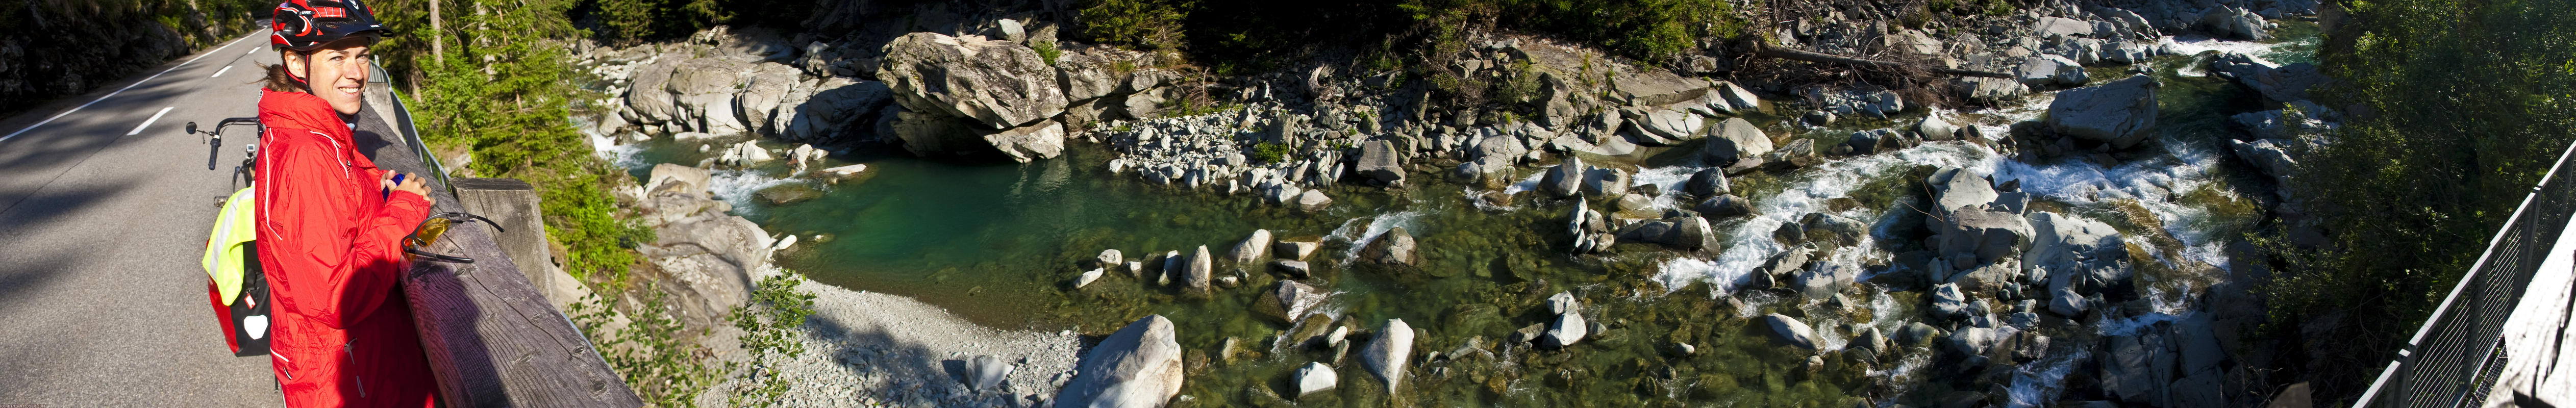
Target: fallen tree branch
(1784,53)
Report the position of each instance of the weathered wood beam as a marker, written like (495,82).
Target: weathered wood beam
(1809,56)
(492,339)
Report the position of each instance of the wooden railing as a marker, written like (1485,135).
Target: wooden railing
(492,337)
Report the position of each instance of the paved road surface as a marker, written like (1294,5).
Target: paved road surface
(102,303)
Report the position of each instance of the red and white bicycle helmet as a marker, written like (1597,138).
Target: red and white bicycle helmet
(303,25)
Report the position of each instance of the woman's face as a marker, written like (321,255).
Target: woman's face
(337,72)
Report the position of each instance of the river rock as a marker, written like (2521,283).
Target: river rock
(1390,354)
(1605,182)
(1078,281)
(1694,233)
(2233,23)
(2284,84)
(1734,140)
(1201,272)
(2081,256)
(986,372)
(999,84)
(1296,250)
(1974,341)
(1379,160)
(1565,331)
(839,109)
(1138,366)
(1990,91)
(1110,258)
(2049,71)
(1253,249)
(1934,129)
(766,86)
(2121,113)
(1393,248)
(1295,269)
(1790,331)
(1736,97)
(1975,236)
(1564,180)
(1724,206)
(2055,28)
(1027,143)
(1824,279)
(1286,301)
(1655,87)
(1796,154)
(1315,378)
(2135,367)
(1313,201)
(1708,182)
(1670,125)
(2267,155)
(1949,303)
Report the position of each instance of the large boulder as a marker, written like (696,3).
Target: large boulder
(1388,355)
(1393,248)
(1723,206)
(1252,250)
(1025,143)
(2283,83)
(1565,179)
(1734,140)
(837,109)
(2234,23)
(1378,160)
(1287,300)
(1790,331)
(1708,182)
(1655,87)
(1201,272)
(1315,378)
(2121,113)
(646,96)
(999,84)
(1137,367)
(1990,91)
(704,89)
(2053,28)
(1948,302)
(764,91)
(1671,124)
(1567,329)
(1977,236)
(1824,279)
(2080,256)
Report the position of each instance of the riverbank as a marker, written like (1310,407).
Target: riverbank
(870,349)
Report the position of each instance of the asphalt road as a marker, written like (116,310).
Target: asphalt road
(103,213)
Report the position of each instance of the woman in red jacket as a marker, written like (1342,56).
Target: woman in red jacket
(331,224)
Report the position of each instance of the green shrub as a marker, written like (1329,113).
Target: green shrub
(1270,152)
(1152,24)
(649,351)
(770,333)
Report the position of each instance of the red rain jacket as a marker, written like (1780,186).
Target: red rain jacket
(331,245)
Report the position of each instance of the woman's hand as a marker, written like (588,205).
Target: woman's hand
(411,183)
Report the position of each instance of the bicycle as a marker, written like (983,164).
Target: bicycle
(214,140)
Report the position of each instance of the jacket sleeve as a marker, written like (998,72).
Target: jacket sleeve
(340,244)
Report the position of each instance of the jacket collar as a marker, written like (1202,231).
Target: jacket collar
(298,110)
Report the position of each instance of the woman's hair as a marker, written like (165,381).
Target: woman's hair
(280,81)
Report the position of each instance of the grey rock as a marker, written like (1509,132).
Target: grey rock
(1724,206)
(999,84)
(1253,249)
(1313,201)
(1562,303)
(1655,87)
(1671,124)
(1694,233)
(1565,331)
(2070,249)
(1742,100)
(2052,28)
(1138,366)
(1293,268)
(2121,113)
(2267,156)
(1390,354)
(1949,303)
(2233,23)
(1286,301)
(1974,341)
(1790,331)
(1202,269)
(1296,250)
(1564,180)
(1990,91)
(1976,236)
(1709,182)
(986,372)
(1315,378)
(1735,140)
(1393,248)
(1605,182)
(2046,70)
(1378,160)
(1824,279)
(1933,128)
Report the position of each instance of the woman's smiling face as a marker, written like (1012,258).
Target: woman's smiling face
(337,72)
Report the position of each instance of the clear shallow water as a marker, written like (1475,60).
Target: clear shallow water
(1001,242)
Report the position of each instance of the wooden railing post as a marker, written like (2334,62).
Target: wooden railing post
(514,205)
(491,337)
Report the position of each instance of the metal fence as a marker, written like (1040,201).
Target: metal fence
(2454,359)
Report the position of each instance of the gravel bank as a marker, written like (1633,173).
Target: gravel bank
(874,349)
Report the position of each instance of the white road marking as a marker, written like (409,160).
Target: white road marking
(220,72)
(253,50)
(119,90)
(156,117)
